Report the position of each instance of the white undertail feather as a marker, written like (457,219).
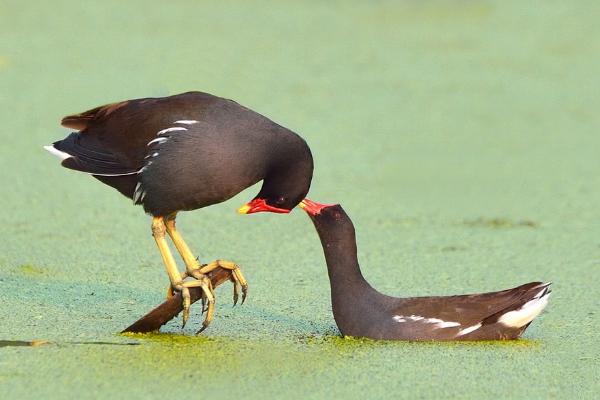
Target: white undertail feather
(522,316)
(63,156)
(527,313)
(60,154)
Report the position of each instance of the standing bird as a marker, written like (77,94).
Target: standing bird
(185,152)
(360,310)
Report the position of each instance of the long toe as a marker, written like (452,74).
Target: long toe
(185,294)
(239,281)
(207,288)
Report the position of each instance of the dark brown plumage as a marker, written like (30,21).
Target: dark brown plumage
(360,310)
(186,152)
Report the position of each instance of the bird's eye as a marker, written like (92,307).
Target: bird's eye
(280,200)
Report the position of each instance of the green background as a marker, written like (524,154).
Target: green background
(462,138)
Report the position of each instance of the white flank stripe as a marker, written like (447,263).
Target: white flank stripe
(137,192)
(60,154)
(469,329)
(525,314)
(158,140)
(145,167)
(186,121)
(174,129)
(447,324)
(439,323)
(123,174)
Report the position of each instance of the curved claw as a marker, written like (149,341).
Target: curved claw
(203,299)
(239,282)
(237,289)
(240,286)
(209,299)
(204,326)
(244,293)
(235,295)
(185,294)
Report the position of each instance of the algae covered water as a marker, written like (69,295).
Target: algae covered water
(462,138)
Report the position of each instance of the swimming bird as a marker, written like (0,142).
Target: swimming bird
(185,152)
(360,310)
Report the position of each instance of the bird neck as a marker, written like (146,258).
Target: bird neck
(338,240)
(356,305)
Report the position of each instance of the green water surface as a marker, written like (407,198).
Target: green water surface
(462,137)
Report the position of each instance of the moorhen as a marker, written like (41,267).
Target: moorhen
(185,152)
(360,310)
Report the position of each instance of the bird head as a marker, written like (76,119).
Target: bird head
(286,183)
(331,221)
(279,194)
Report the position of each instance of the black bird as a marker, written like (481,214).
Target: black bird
(360,310)
(185,152)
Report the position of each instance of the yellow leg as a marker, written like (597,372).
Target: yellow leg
(197,270)
(177,283)
(158,231)
(192,265)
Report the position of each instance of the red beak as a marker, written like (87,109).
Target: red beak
(312,207)
(260,205)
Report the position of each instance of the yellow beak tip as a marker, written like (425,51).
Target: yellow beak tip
(244,209)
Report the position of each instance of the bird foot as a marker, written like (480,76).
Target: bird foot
(240,287)
(208,298)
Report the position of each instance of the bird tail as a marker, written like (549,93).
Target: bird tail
(78,155)
(524,310)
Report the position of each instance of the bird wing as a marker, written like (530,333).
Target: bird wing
(111,139)
(472,309)
(82,120)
